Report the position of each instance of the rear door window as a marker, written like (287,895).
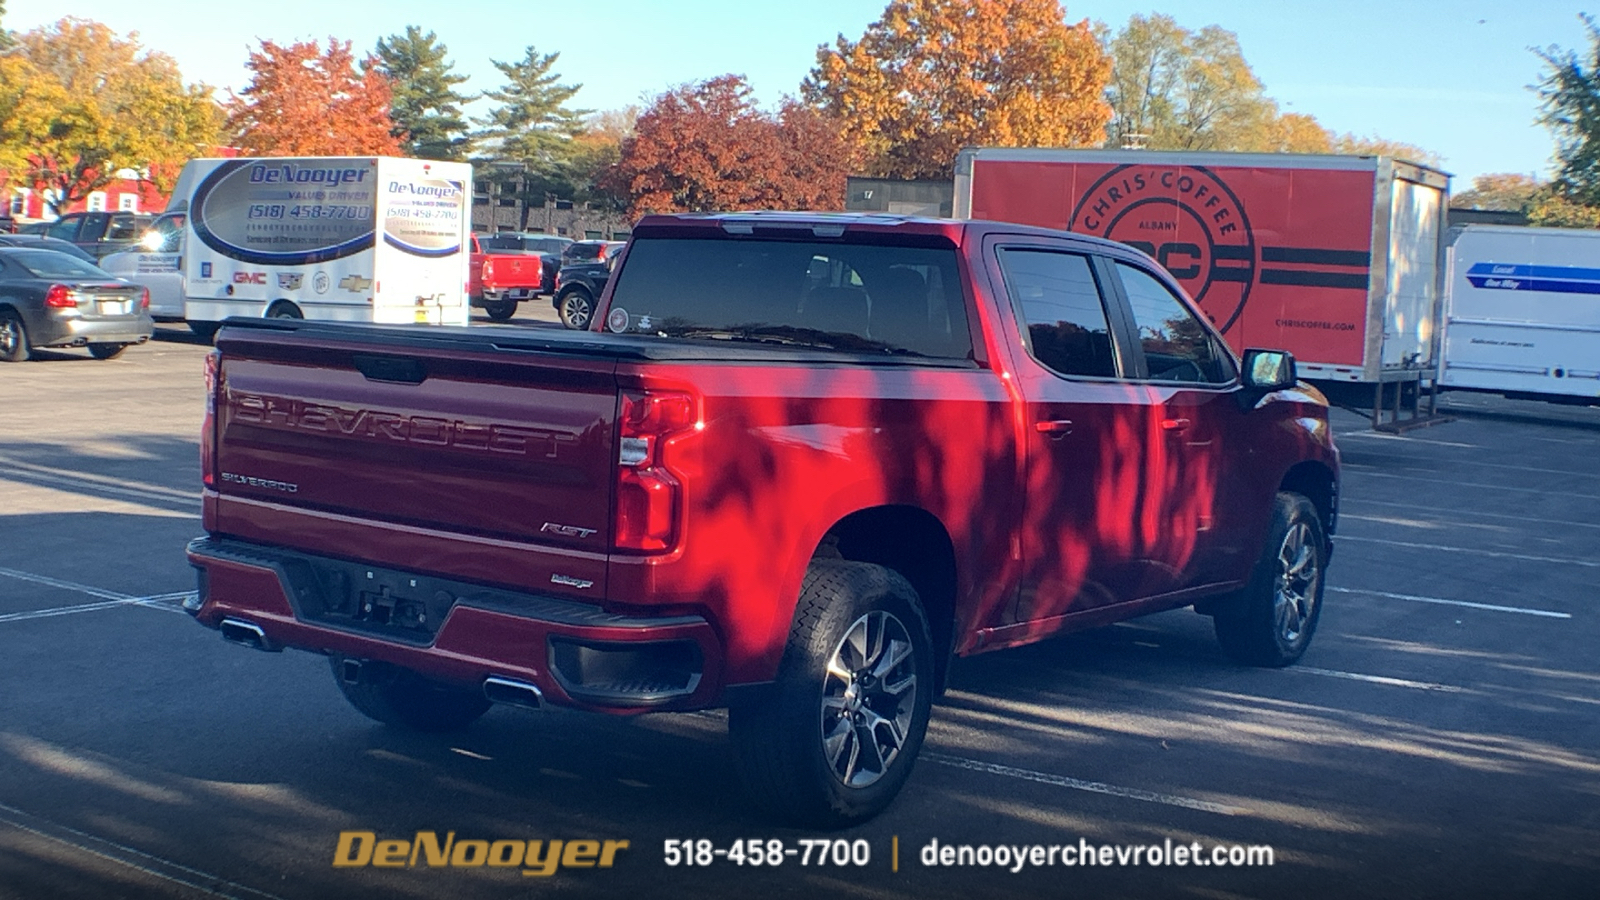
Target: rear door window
(1062,309)
(849,297)
(65,229)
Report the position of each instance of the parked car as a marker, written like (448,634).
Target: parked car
(590,251)
(51,299)
(548,247)
(811,459)
(100,233)
(578,288)
(8,225)
(40,242)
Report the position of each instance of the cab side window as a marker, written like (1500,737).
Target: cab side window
(1177,348)
(1060,304)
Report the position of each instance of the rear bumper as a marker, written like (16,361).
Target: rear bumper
(73,332)
(576,654)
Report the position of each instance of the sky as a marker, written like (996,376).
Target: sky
(1451,76)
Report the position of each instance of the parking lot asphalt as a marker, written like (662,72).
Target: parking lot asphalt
(1440,739)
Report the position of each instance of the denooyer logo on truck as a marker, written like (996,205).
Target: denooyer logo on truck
(1188,219)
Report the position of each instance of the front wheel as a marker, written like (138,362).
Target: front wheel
(106,351)
(401,697)
(833,739)
(1270,622)
(575,307)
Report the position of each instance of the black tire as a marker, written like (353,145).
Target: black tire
(500,310)
(13,337)
(402,698)
(106,351)
(576,308)
(285,310)
(1271,622)
(798,745)
(207,330)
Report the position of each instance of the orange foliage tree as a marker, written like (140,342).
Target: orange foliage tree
(933,76)
(306,102)
(708,147)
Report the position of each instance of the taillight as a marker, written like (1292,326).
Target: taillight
(488,270)
(648,494)
(60,297)
(208,429)
(144,298)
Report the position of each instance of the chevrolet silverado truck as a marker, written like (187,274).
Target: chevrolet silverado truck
(499,281)
(801,462)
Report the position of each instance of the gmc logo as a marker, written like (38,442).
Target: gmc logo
(249,278)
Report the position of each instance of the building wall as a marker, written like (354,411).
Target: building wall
(27,205)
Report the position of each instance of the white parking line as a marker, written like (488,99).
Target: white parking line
(1346,501)
(1370,472)
(155,866)
(1562,560)
(1093,787)
(113,599)
(1377,679)
(1549,613)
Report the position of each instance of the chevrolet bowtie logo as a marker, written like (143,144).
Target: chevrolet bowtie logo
(355,283)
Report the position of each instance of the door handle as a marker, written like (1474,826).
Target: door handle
(1056,427)
(1175,425)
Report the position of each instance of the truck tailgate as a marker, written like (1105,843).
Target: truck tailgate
(474,441)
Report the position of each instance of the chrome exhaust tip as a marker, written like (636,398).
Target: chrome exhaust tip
(512,692)
(247,634)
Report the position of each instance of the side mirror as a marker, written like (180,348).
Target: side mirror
(1269,370)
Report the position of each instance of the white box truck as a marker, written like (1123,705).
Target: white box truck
(359,239)
(1333,258)
(1522,313)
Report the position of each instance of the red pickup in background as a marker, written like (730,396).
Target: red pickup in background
(499,281)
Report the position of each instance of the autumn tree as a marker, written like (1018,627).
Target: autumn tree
(304,101)
(6,40)
(596,150)
(532,125)
(31,105)
(1372,145)
(932,76)
(708,147)
(110,106)
(1176,89)
(424,103)
(1504,191)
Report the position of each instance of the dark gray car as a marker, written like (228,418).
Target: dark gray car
(40,242)
(50,299)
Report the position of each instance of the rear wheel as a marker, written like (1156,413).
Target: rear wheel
(13,337)
(576,308)
(106,351)
(1270,622)
(500,310)
(401,697)
(285,310)
(833,739)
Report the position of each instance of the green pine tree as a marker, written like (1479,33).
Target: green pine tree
(426,107)
(1569,95)
(533,126)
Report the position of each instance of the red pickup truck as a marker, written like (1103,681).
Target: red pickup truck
(814,458)
(499,281)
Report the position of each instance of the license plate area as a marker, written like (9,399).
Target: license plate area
(114,307)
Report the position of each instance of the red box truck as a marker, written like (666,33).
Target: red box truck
(1333,258)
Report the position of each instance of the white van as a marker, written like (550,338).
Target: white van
(361,239)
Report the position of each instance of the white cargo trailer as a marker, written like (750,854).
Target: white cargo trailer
(1522,312)
(363,239)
